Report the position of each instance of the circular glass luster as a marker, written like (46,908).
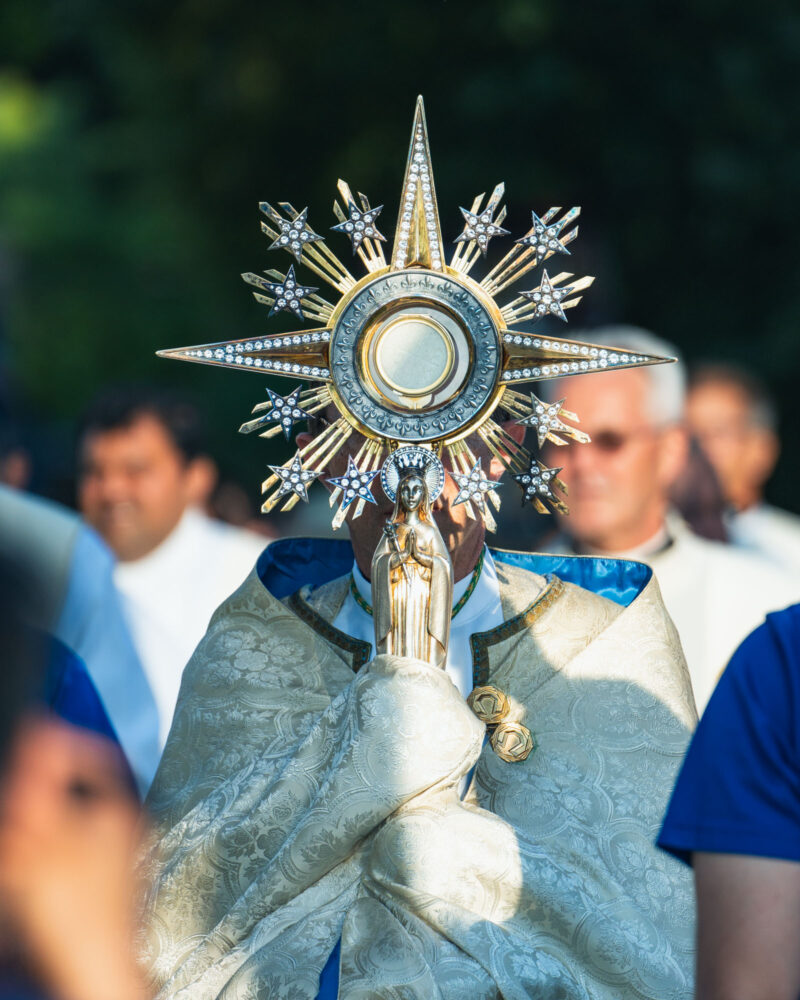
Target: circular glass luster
(414,354)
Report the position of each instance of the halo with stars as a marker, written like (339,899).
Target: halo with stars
(415,352)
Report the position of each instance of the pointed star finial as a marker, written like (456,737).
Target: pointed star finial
(355,483)
(418,237)
(473,486)
(544,239)
(294,478)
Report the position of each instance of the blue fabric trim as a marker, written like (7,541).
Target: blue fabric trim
(92,624)
(620,580)
(290,563)
(329,977)
(69,692)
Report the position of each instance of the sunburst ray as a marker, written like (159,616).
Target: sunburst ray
(315,254)
(311,305)
(532,358)
(303,354)
(522,258)
(418,237)
(367,242)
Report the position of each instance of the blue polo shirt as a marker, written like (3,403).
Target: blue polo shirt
(739,789)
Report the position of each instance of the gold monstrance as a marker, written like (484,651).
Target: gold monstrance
(416,356)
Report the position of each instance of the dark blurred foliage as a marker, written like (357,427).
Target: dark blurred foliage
(136,140)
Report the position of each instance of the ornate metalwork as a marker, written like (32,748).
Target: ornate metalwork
(416,353)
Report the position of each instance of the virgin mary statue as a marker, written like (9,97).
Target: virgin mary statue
(412,579)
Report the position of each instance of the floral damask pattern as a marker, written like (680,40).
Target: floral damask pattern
(299,803)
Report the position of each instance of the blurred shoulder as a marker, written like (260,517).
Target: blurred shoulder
(752,570)
(225,540)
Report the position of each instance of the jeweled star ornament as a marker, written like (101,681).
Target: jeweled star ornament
(481,227)
(544,239)
(473,486)
(294,234)
(294,479)
(287,294)
(547,419)
(355,484)
(415,353)
(360,225)
(547,298)
(285,411)
(537,484)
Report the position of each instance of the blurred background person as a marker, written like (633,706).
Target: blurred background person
(697,495)
(144,476)
(15,460)
(74,600)
(69,829)
(735,817)
(733,417)
(619,487)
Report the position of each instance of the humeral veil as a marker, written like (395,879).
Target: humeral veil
(309,800)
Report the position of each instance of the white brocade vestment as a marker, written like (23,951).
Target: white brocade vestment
(309,794)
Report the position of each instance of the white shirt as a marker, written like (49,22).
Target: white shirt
(716,595)
(772,533)
(481,612)
(170,594)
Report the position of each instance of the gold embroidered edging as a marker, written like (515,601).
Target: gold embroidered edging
(481,641)
(360,651)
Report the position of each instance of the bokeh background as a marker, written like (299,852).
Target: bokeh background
(136,139)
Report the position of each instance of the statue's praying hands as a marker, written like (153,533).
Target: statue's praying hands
(412,580)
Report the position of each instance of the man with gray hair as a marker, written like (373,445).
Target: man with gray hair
(619,505)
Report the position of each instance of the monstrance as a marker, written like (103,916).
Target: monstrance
(415,353)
